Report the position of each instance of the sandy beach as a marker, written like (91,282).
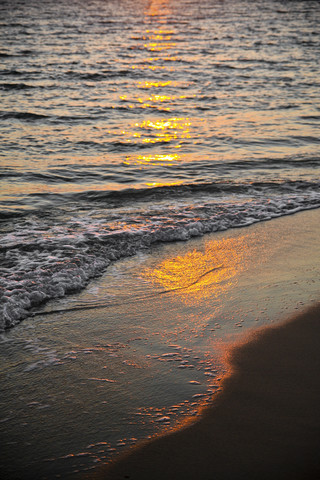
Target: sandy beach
(145,348)
(264,424)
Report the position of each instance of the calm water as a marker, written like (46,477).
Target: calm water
(126,123)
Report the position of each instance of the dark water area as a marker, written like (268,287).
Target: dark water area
(126,123)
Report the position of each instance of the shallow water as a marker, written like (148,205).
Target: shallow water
(141,349)
(127,123)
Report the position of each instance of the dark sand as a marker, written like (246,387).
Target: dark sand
(265,423)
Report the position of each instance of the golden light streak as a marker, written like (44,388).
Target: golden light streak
(155,131)
(163,184)
(153,159)
(155,84)
(199,275)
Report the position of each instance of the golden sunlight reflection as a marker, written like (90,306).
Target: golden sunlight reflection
(166,124)
(153,159)
(165,130)
(158,46)
(153,100)
(199,275)
(161,130)
(164,184)
(161,84)
(155,84)
(159,9)
(150,67)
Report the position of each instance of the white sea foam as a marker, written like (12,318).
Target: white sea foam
(42,264)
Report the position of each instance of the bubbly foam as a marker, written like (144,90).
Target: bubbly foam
(44,259)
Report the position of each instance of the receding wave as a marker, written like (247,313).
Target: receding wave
(47,259)
(125,196)
(176,191)
(110,172)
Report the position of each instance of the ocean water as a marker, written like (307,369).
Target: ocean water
(126,123)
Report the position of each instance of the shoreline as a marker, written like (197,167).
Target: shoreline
(265,422)
(152,347)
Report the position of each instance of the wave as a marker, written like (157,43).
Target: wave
(22,116)
(49,258)
(111,172)
(103,75)
(213,188)
(12,72)
(15,86)
(21,53)
(29,116)
(310,117)
(37,202)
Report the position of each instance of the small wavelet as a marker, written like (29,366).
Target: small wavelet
(28,116)
(15,86)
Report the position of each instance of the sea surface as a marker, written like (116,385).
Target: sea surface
(126,124)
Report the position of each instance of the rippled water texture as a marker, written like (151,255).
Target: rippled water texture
(106,95)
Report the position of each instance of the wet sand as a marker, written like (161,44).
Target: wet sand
(81,383)
(265,423)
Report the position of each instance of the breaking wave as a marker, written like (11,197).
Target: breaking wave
(46,258)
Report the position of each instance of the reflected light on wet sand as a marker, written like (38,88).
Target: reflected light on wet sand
(199,275)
